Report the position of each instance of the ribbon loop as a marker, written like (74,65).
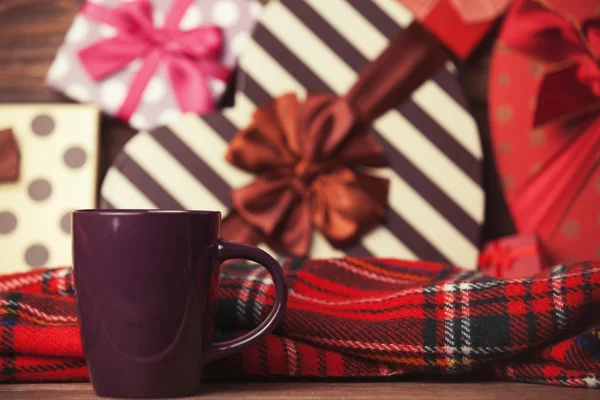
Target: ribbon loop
(541,31)
(327,121)
(9,157)
(496,256)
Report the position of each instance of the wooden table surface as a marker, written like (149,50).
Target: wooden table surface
(321,390)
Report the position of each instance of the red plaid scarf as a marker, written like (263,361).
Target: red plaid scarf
(351,317)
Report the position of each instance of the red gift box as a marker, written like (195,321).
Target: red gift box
(513,257)
(545,123)
(459,24)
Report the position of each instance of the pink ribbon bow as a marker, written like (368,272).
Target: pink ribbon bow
(190,57)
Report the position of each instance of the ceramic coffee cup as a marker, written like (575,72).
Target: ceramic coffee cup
(146,288)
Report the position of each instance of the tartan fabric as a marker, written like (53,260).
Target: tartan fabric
(350,317)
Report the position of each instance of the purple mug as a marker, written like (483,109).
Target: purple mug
(146,286)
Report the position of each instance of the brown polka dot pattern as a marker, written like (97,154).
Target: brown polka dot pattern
(502,48)
(65,223)
(75,157)
(533,103)
(37,255)
(505,147)
(39,189)
(504,113)
(570,229)
(504,80)
(42,125)
(507,181)
(536,168)
(34,221)
(537,137)
(536,69)
(8,222)
(571,17)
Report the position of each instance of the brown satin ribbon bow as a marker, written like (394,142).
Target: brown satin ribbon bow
(308,155)
(9,157)
(307,167)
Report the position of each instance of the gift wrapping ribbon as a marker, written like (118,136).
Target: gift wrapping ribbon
(190,56)
(9,156)
(569,91)
(308,155)
(501,257)
(470,11)
(459,24)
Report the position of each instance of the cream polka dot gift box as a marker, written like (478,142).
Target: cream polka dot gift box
(147,61)
(57,173)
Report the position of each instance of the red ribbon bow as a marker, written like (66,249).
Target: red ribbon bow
(190,56)
(570,89)
(498,258)
(9,157)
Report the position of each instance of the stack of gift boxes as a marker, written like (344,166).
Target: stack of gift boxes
(322,152)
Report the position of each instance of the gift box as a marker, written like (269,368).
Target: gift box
(52,151)
(350,135)
(459,24)
(545,124)
(146,61)
(513,256)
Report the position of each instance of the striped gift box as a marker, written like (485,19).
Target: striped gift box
(436,203)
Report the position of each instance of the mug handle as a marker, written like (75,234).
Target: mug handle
(229,250)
